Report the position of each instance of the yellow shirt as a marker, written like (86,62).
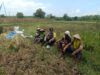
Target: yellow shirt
(76,44)
(54,34)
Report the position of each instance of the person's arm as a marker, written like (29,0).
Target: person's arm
(51,39)
(45,37)
(78,50)
(66,46)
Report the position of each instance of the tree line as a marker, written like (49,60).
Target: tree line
(41,14)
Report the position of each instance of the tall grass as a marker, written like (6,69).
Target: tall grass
(90,34)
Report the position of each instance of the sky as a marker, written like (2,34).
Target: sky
(55,7)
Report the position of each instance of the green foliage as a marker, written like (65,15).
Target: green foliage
(66,17)
(39,13)
(2,72)
(90,18)
(1,29)
(75,18)
(2,16)
(90,34)
(50,16)
(20,15)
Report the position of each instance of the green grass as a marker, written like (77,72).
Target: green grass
(90,33)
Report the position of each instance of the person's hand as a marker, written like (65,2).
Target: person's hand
(64,50)
(63,45)
(51,40)
(73,54)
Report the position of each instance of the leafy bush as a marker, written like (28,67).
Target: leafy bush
(39,13)
(1,30)
(20,15)
(2,16)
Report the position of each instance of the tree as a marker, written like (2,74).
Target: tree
(75,18)
(50,16)
(39,13)
(2,16)
(1,29)
(66,17)
(19,15)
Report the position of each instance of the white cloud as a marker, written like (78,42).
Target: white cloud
(74,12)
(28,7)
(77,11)
(25,6)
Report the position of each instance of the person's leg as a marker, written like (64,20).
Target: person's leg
(79,55)
(61,49)
(59,45)
(69,50)
(51,43)
(66,52)
(36,40)
(44,43)
(62,54)
(41,40)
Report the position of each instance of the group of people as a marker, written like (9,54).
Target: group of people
(48,39)
(70,46)
(66,45)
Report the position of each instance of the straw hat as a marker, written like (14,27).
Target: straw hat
(68,33)
(38,29)
(77,36)
(42,30)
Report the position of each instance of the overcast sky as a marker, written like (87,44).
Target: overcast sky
(55,7)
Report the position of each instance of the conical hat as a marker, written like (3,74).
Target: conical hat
(77,36)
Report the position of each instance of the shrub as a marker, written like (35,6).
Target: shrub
(1,30)
(19,15)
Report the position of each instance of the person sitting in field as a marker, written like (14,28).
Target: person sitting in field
(42,35)
(65,44)
(77,46)
(37,35)
(50,38)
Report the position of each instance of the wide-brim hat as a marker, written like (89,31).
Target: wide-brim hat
(38,29)
(42,30)
(77,36)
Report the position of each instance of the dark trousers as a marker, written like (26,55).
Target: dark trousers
(69,51)
(47,42)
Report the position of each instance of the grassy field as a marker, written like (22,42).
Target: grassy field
(90,33)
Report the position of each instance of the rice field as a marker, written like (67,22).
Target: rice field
(36,60)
